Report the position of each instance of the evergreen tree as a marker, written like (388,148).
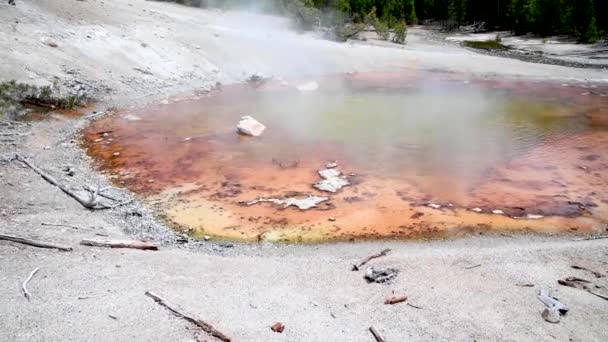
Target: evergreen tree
(457,10)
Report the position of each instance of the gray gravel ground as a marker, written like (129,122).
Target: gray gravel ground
(243,288)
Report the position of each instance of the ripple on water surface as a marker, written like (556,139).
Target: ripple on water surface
(420,152)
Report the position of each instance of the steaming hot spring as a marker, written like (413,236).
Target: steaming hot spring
(366,156)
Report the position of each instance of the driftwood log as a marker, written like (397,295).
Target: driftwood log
(382,253)
(179,312)
(278,327)
(35,243)
(120,244)
(91,203)
(395,300)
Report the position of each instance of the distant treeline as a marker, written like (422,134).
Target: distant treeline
(585,19)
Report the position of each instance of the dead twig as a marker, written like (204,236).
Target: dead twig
(377,335)
(120,244)
(395,300)
(35,243)
(524,285)
(26,293)
(597,294)
(382,253)
(579,283)
(596,274)
(179,312)
(472,267)
(414,306)
(58,225)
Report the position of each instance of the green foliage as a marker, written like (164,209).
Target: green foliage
(484,45)
(381,29)
(14,97)
(400,33)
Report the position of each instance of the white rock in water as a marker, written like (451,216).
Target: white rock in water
(498,212)
(332,184)
(534,217)
(477,210)
(332,180)
(131,117)
(308,86)
(434,206)
(329,173)
(250,126)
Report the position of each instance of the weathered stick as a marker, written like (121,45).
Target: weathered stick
(377,335)
(596,274)
(26,293)
(382,253)
(120,244)
(395,300)
(179,312)
(551,302)
(35,243)
(597,294)
(595,237)
(58,225)
(472,267)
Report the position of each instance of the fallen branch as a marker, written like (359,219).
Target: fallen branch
(395,300)
(90,204)
(35,243)
(369,258)
(179,312)
(414,306)
(120,244)
(26,293)
(376,333)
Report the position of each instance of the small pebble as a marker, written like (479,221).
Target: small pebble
(116,154)
(332,219)
(477,210)
(498,212)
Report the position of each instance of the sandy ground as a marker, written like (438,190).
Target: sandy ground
(243,289)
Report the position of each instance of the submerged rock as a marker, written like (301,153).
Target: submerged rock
(308,86)
(332,180)
(250,126)
(380,274)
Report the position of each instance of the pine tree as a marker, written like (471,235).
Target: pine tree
(457,10)
(584,21)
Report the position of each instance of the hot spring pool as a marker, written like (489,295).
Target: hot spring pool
(420,151)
